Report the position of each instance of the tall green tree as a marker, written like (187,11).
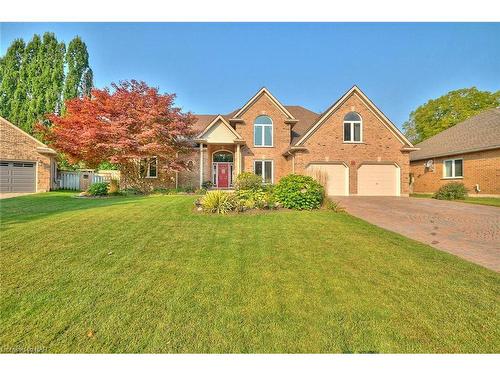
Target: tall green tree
(10,66)
(448,110)
(40,82)
(23,103)
(32,78)
(51,81)
(79,75)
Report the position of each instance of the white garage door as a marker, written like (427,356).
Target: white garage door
(378,180)
(334,177)
(17,177)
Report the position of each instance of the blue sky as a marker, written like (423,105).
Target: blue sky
(215,68)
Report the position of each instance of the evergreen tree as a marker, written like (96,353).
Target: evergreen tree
(52,79)
(32,78)
(79,75)
(10,66)
(23,103)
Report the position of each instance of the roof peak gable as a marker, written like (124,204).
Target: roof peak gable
(355,90)
(253,99)
(215,121)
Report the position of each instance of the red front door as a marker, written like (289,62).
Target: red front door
(223,175)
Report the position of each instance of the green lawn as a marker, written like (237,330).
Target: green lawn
(486,201)
(147,274)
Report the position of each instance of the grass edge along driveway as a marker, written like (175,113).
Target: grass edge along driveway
(486,201)
(149,275)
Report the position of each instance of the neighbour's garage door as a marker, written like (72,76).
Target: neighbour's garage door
(17,177)
(378,180)
(335,177)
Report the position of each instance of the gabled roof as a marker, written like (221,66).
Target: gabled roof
(377,112)
(306,119)
(263,91)
(215,121)
(202,122)
(42,148)
(480,132)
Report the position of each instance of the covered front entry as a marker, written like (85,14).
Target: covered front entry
(222,169)
(220,154)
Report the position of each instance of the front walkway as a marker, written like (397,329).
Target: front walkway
(469,231)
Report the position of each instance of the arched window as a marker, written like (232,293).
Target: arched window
(263,132)
(353,128)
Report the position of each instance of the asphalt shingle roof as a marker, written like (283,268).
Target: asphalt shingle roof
(480,132)
(305,118)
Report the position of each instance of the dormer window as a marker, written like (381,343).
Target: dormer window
(353,128)
(263,132)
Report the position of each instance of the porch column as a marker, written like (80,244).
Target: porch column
(201,165)
(238,159)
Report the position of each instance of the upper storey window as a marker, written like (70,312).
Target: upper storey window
(263,132)
(353,128)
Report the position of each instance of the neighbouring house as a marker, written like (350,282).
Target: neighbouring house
(352,146)
(468,152)
(26,164)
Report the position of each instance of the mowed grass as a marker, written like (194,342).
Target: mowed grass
(486,201)
(148,274)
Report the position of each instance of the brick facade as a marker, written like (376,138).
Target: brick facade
(379,144)
(281,138)
(482,167)
(16,145)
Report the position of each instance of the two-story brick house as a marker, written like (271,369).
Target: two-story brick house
(352,146)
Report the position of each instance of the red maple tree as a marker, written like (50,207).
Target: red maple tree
(124,125)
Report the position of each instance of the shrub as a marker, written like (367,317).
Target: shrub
(207,185)
(453,190)
(299,192)
(333,205)
(218,202)
(98,188)
(248,181)
(200,191)
(161,191)
(262,198)
(130,191)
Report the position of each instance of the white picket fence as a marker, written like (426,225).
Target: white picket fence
(75,180)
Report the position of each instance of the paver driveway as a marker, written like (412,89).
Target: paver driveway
(467,230)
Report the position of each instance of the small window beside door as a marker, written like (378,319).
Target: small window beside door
(264,168)
(453,168)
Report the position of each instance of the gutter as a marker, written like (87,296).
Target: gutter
(451,153)
(292,149)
